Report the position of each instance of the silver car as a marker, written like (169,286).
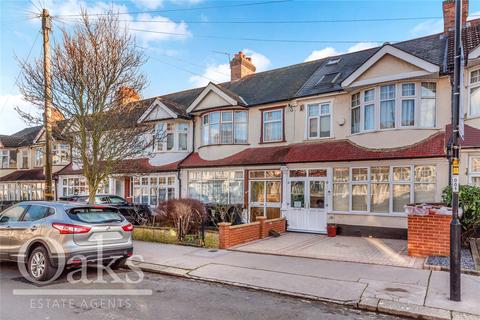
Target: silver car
(48,236)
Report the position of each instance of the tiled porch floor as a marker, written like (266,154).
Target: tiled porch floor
(353,249)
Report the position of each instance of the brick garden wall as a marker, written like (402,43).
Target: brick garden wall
(230,236)
(429,235)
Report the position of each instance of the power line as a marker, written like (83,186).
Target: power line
(257,39)
(187,9)
(19,73)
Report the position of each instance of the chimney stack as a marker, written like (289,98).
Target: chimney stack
(126,95)
(241,66)
(449,14)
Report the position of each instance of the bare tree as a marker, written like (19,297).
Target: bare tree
(96,72)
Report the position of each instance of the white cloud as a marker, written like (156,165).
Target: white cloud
(10,121)
(424,28)
(221,72)
(143,21)
(330,51)
(323,53)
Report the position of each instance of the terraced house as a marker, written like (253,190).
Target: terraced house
(349,139)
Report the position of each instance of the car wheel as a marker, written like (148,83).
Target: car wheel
(39,265)
(119,263)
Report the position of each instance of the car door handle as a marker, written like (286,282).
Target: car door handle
(33,228)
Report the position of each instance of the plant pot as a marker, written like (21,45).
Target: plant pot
(331,230)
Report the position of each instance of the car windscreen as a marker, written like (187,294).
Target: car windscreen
(95,215)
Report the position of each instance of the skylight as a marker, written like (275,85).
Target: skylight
(333,61)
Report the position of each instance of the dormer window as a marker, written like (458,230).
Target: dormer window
(171,137)
(474,91)
(225,127)
(400,105)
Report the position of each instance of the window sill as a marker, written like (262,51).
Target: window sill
(379,214)
(472,117)
(318,139)
(270,142)
(223,144)
(392,129)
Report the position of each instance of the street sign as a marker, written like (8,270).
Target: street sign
(455,183)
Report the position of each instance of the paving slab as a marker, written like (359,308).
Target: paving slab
(370,304)
(438,293)
(326,289)
(412,310)
(400,292)
(464,316)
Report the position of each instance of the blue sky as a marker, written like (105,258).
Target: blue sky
(193,58)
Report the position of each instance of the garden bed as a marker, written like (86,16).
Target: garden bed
(443,263)
(169,235)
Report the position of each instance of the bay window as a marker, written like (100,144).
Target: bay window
(474,93)
(382,189)
(225,127)
(272,125)
(152,190)
(171,136)
(223,187)
(401,105)
(74,186)
(318,121)
(474,170)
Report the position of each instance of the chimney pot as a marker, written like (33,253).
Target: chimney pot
(126,95)
(241,66)
(449,14)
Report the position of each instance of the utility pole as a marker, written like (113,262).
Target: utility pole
(47,114)
(455,226)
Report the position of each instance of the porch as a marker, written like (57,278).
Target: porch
(391,252)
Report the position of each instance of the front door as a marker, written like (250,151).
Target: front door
(307,204)
(265,199)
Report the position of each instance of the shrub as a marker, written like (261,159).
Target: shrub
(469,201)
(225,213)
(185,215)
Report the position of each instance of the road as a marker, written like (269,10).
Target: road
(171,298)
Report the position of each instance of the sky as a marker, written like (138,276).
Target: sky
(206,33)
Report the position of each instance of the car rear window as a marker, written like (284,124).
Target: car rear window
(95,215)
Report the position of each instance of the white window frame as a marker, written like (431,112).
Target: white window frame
(318,117)
(472,174)
(233,122)
(38,161)
(398,106)
(57,150)
(282,133)
(471,86)
(5,153)
(162,129)
(24,154)
(360,182)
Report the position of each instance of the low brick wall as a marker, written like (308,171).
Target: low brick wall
(230,236)
(429,234)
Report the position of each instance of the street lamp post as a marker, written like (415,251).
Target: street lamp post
(455,226)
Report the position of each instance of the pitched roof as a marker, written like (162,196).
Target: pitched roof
(472,137)
(328,151)
(21,138)
(141,165)
(24,175)
(470,40)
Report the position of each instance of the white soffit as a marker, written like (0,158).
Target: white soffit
(211,87)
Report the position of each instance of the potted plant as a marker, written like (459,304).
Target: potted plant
(331,226)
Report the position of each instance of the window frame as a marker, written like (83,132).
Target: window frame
(472,174)
(318,117)
(471,86)
(263,121)
(399,97)
(170,128)
(206,127)
(38,161)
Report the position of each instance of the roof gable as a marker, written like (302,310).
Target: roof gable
(157,111)
(215,96)
(378,68)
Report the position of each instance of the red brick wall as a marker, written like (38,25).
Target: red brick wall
(230,236)
(429,235)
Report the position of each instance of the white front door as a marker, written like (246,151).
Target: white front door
(307,204)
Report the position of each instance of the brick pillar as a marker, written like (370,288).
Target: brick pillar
(262,226)
(223,235)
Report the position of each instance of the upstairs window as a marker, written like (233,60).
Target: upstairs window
(61,153)
(474,170)
(24,159)
(38,157)
(474,90)
(273,125)
(318,121)
(171,136)
(225,127)
(401,105)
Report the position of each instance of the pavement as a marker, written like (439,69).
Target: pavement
(401,291)
(392,252)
